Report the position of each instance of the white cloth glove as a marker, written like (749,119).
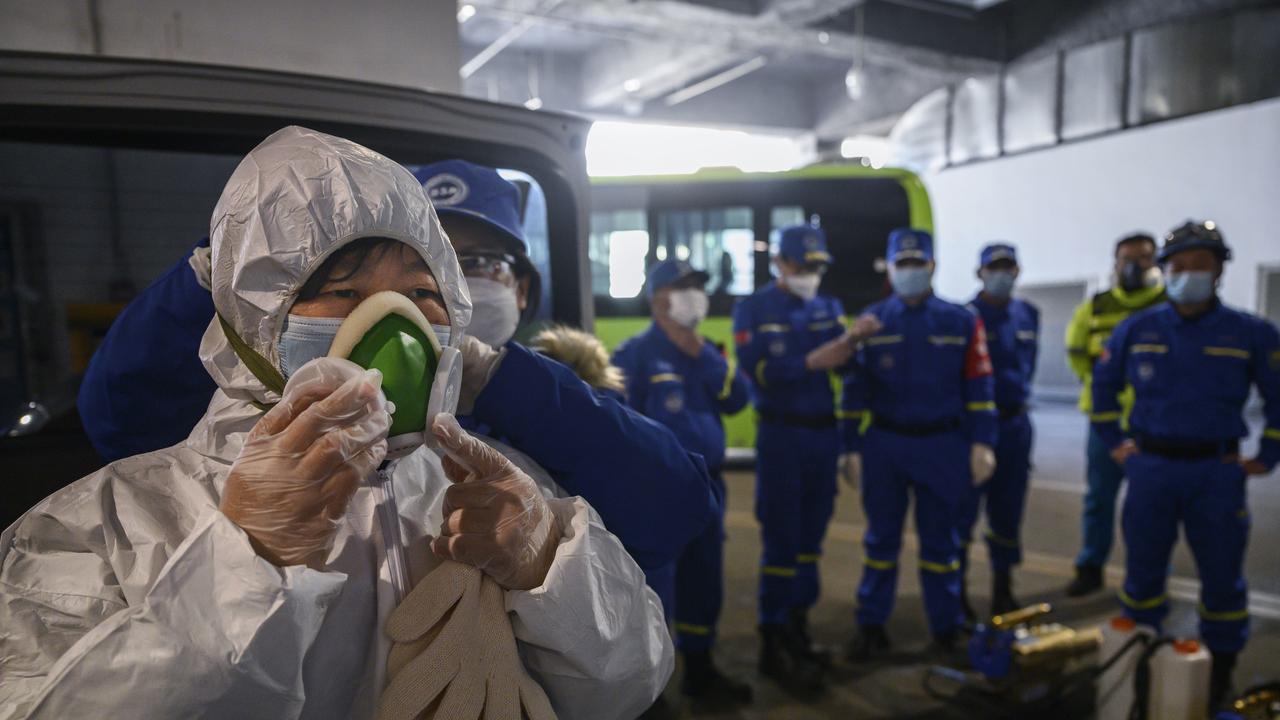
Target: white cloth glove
(982,463)
(495,516)
(479,363)
(305,458)
(850,469)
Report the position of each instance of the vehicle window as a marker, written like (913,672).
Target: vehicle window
(618,246)
(718,240)
(533,210)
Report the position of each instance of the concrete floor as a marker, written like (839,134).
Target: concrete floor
(1051,537)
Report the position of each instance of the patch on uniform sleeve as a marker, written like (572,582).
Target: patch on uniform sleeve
(742,337)
(977,361)
(1105,355)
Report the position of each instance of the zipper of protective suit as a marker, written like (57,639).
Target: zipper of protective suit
(384,496)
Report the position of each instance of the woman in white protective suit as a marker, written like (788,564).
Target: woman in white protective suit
(243,573)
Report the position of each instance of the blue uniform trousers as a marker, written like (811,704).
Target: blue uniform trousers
(795,497)
(1208,498)
(1099,517)
(700,582)
(936,470)
(1004,494)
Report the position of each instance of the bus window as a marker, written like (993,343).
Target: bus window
(720,241)
(618,245)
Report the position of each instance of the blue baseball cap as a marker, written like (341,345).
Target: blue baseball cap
(909,244)
(804,244)
(461,188)
(997,251)
(670,271)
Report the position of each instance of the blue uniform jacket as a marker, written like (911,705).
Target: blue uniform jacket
(774,331)
(1013,341)
(927,365)
(1191,377)
(145,387)
(651,493)
(683,393)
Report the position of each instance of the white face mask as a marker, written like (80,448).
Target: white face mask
(304,339)
(804,285)
(495,313)
(688,306)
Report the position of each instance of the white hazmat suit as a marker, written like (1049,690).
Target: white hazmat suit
(129,594)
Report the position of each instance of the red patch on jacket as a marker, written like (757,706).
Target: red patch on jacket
(977,361)
(742,337)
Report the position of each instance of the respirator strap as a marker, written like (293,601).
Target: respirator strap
(262,369)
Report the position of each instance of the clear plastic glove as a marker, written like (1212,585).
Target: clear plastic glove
(479,363)
(982,462)
(304,459)
(864,327)
(850,469)
(495,517)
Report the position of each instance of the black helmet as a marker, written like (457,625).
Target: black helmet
(1191,235)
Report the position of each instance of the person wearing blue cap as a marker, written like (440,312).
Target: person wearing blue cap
(925,381)
(651,492)
(1013,330)
(682,380)
(1191,363)
(789,339)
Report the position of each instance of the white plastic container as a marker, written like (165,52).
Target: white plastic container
(1180,682)
(1115,687)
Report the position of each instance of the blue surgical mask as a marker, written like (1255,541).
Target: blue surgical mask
(1192,286)
(306,338)
(910,282)
(998,283)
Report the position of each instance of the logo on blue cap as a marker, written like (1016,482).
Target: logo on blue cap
(446,189)
(909,242)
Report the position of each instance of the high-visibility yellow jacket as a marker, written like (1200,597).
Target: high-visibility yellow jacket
(1091,327)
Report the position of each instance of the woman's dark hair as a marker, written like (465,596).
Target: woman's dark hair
(346,262)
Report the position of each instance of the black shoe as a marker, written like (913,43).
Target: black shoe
(1088,580)
(1224,664)
(704,683)
(1002,599)
(871,643)
(949,649)
(804,644)
(780,660)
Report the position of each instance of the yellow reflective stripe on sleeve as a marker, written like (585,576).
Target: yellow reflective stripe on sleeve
(1104,417)
(1148,348)
(773,327)
(989,406)
(1025,334)
(850,414)
(1143,604)
(666,377)
(939,567)
(1006,542)
(728,379)
(691,629)
(1271,433)
(947,339)
(882,340)
(1225,616)
(809,558)
(760,373)
(1226,352)
(879,564)
(778,571)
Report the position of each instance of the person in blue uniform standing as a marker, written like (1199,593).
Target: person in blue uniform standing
(926,380)
(1013,330)
(651,492)
(789,339)
(1191,363)
(682,380)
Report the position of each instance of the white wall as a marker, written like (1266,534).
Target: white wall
(413,43)
(1064,207)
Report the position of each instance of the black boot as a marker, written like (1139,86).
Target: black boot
(1224,664)
(703,682)
(799,628)
(780,660)
(948,648)
(1088,580)
(871,643)
(1002,599)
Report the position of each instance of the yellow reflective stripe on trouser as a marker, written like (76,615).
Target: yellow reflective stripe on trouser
(691,629)
(728,379)
(1001,540)
(879,564)
(981,407)
(760,373)
(850,414)
(808,558)
(1271,433)
(1105,416)
(778,571)
(1224,616)
(1154,602)
(939,567)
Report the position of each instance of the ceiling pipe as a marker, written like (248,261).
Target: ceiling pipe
(715,81)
